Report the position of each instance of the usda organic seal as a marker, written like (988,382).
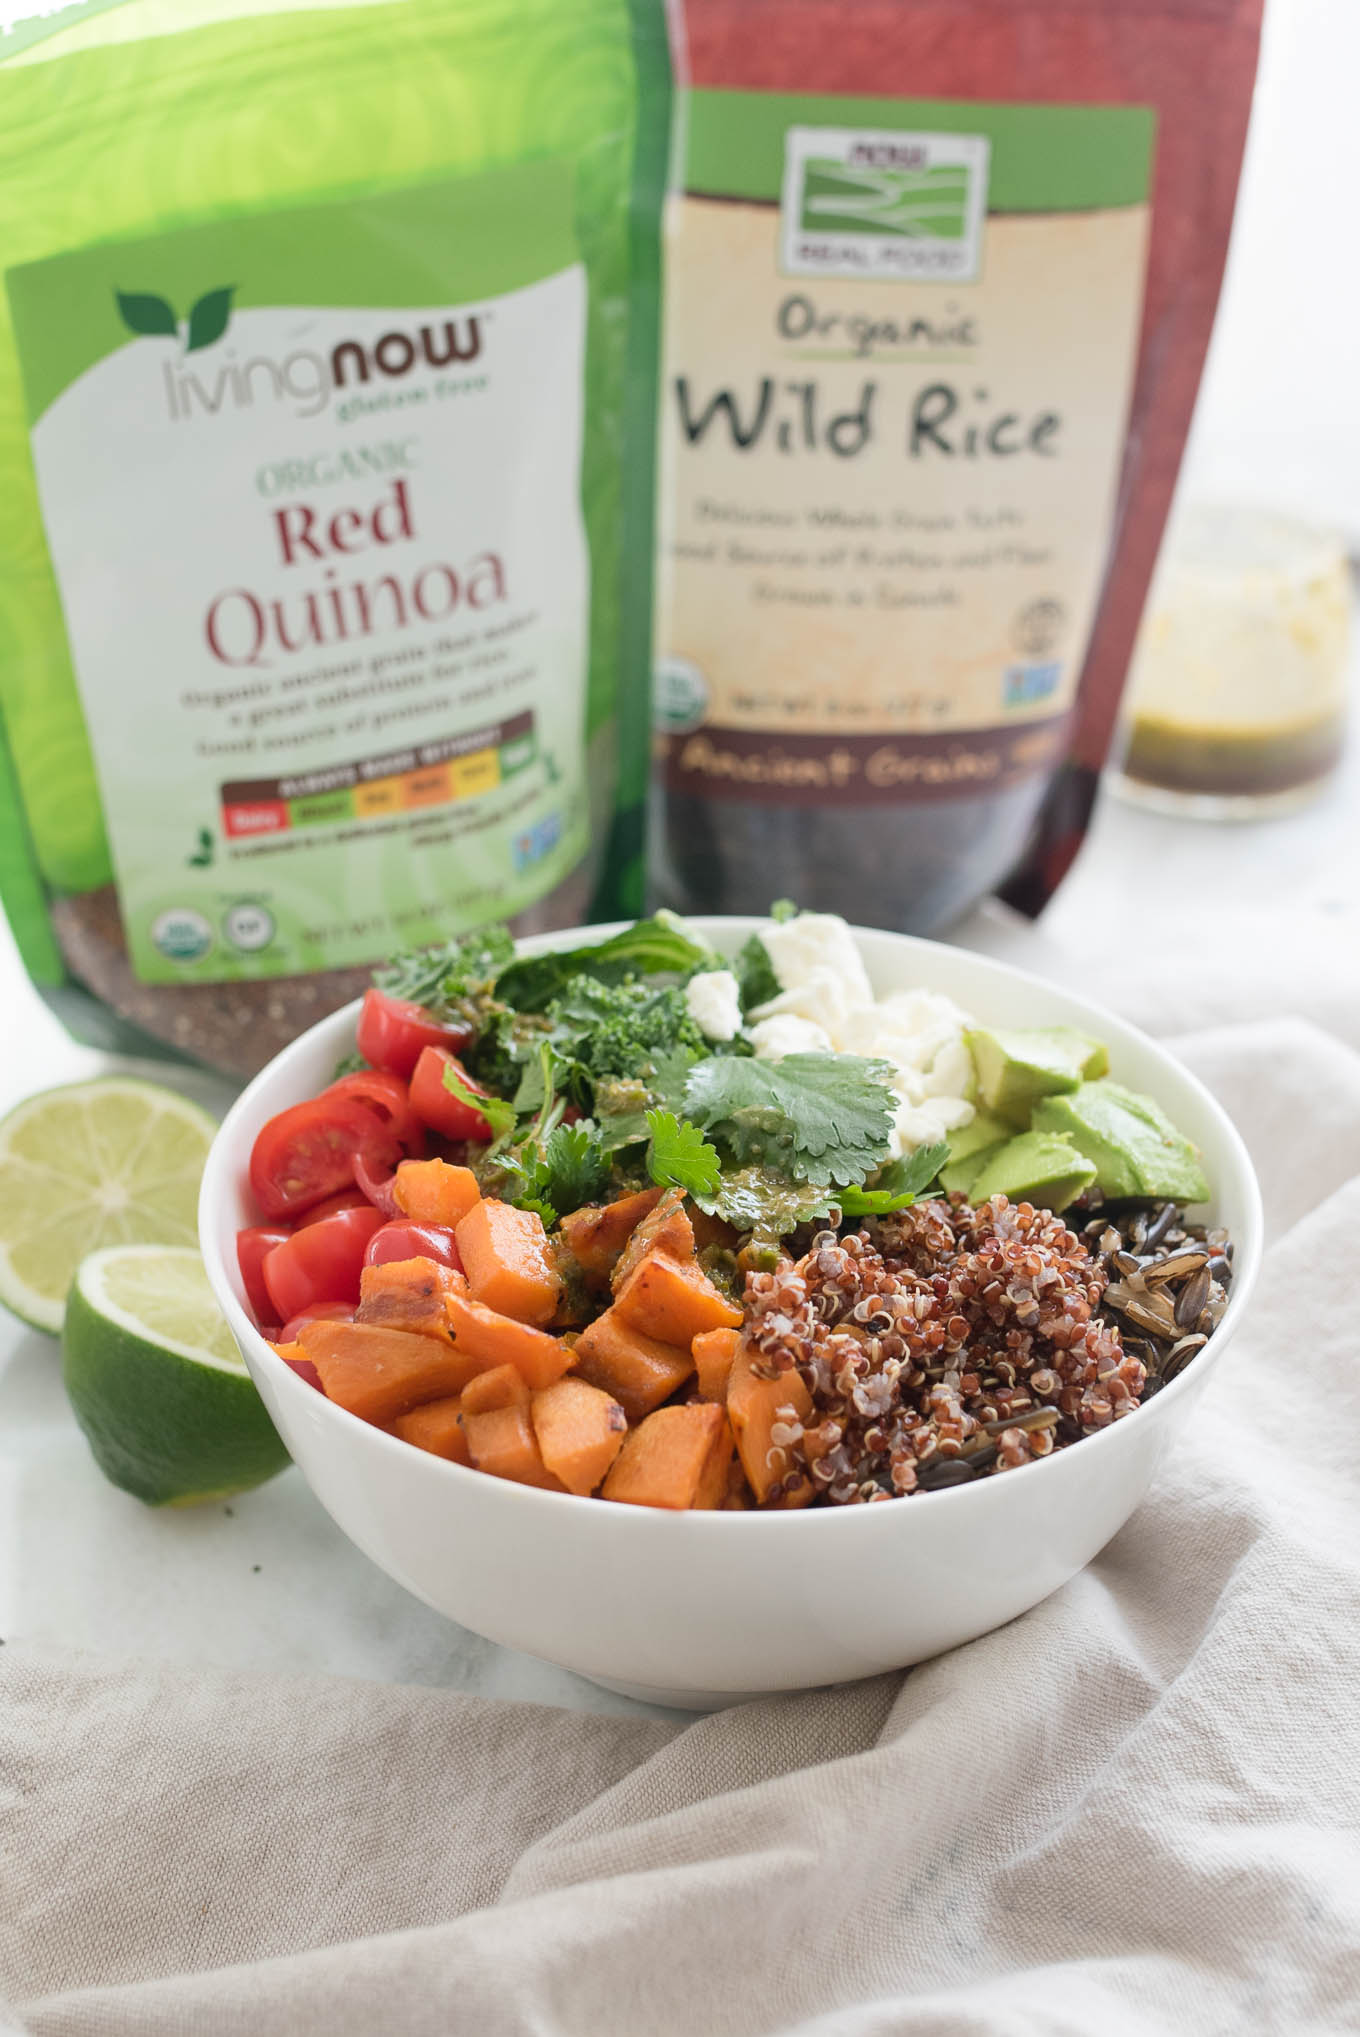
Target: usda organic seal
(181,934)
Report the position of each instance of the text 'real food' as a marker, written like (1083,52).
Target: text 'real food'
(690,1231)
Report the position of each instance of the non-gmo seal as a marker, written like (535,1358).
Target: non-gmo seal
(248,926)
(182,935)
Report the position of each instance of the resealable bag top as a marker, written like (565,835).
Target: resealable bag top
(940,276)
(327,402)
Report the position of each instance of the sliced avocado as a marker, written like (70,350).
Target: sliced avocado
(1136,1148)
(970,1147)
(1015,1068)
(1036,1167)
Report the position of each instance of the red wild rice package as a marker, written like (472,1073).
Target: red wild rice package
(940,279)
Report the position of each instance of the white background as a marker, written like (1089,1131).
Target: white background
(1279,413)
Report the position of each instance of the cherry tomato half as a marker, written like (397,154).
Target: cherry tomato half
(386,1096)
(406,1239)
(345,1198)
(321,1262)
(252,1244)
(318,1312)
(438,1107)
(305,1369)
(393,1031)
(307,1152)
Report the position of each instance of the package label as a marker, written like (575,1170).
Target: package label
(311,482)
(899,355)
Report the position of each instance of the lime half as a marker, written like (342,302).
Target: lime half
(109,1162)
(157,1383)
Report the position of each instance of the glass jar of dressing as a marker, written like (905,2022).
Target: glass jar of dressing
(1236,703)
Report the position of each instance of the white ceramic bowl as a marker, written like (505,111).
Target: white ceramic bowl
(702,1609)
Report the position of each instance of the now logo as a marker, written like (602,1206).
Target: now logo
(305,378)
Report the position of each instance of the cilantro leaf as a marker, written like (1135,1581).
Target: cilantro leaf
(816,1117)
(577,1167)
(756,980)
(679,1156)
(660,945)
(499,1114)
(442,978)
(545,1074)
(783,909)
(898,1184)
(572,1169)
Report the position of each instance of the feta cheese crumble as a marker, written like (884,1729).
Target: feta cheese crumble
(826,1005)
(714,1003)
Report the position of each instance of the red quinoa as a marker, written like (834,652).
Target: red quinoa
(938,1344)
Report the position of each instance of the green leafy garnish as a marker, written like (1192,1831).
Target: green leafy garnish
(570,1170)
(815,1117)
(544,1075)
(766,1203)
(898,1184)
(621,1112)
(348,1064)
(500,1115)
(444,979)
(623,1028)
(679,1156)
(783,909)
(754,971)
(659,946)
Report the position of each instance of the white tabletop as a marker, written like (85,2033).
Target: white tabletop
(266,1581)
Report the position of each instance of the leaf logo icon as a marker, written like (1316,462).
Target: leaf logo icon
(209,318)
(143,313)
(146,314)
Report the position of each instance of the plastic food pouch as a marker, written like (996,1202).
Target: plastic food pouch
(327,405)
(940,276)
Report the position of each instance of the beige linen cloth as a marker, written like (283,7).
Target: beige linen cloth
(1135,1810)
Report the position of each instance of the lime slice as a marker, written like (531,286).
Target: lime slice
(109,1162)
(157,1383)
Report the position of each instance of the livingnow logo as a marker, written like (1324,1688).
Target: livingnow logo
(305,379)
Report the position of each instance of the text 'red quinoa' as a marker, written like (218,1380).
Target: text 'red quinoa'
(936,1344)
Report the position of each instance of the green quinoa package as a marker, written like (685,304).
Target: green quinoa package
(327,401)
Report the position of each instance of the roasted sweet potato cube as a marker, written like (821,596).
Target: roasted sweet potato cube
(435,1427)
(502,1387)
(379,1374)
(716,1477)
(668,1460)
(494,1339)
(714,1351)
(502,1442)
(435,1192)
(504,1251)
(635,1369)
(580,1432)
(712,1232)
(595,1236)
(673,1300)
(408,1294)
(666,1228)
(753,1407)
